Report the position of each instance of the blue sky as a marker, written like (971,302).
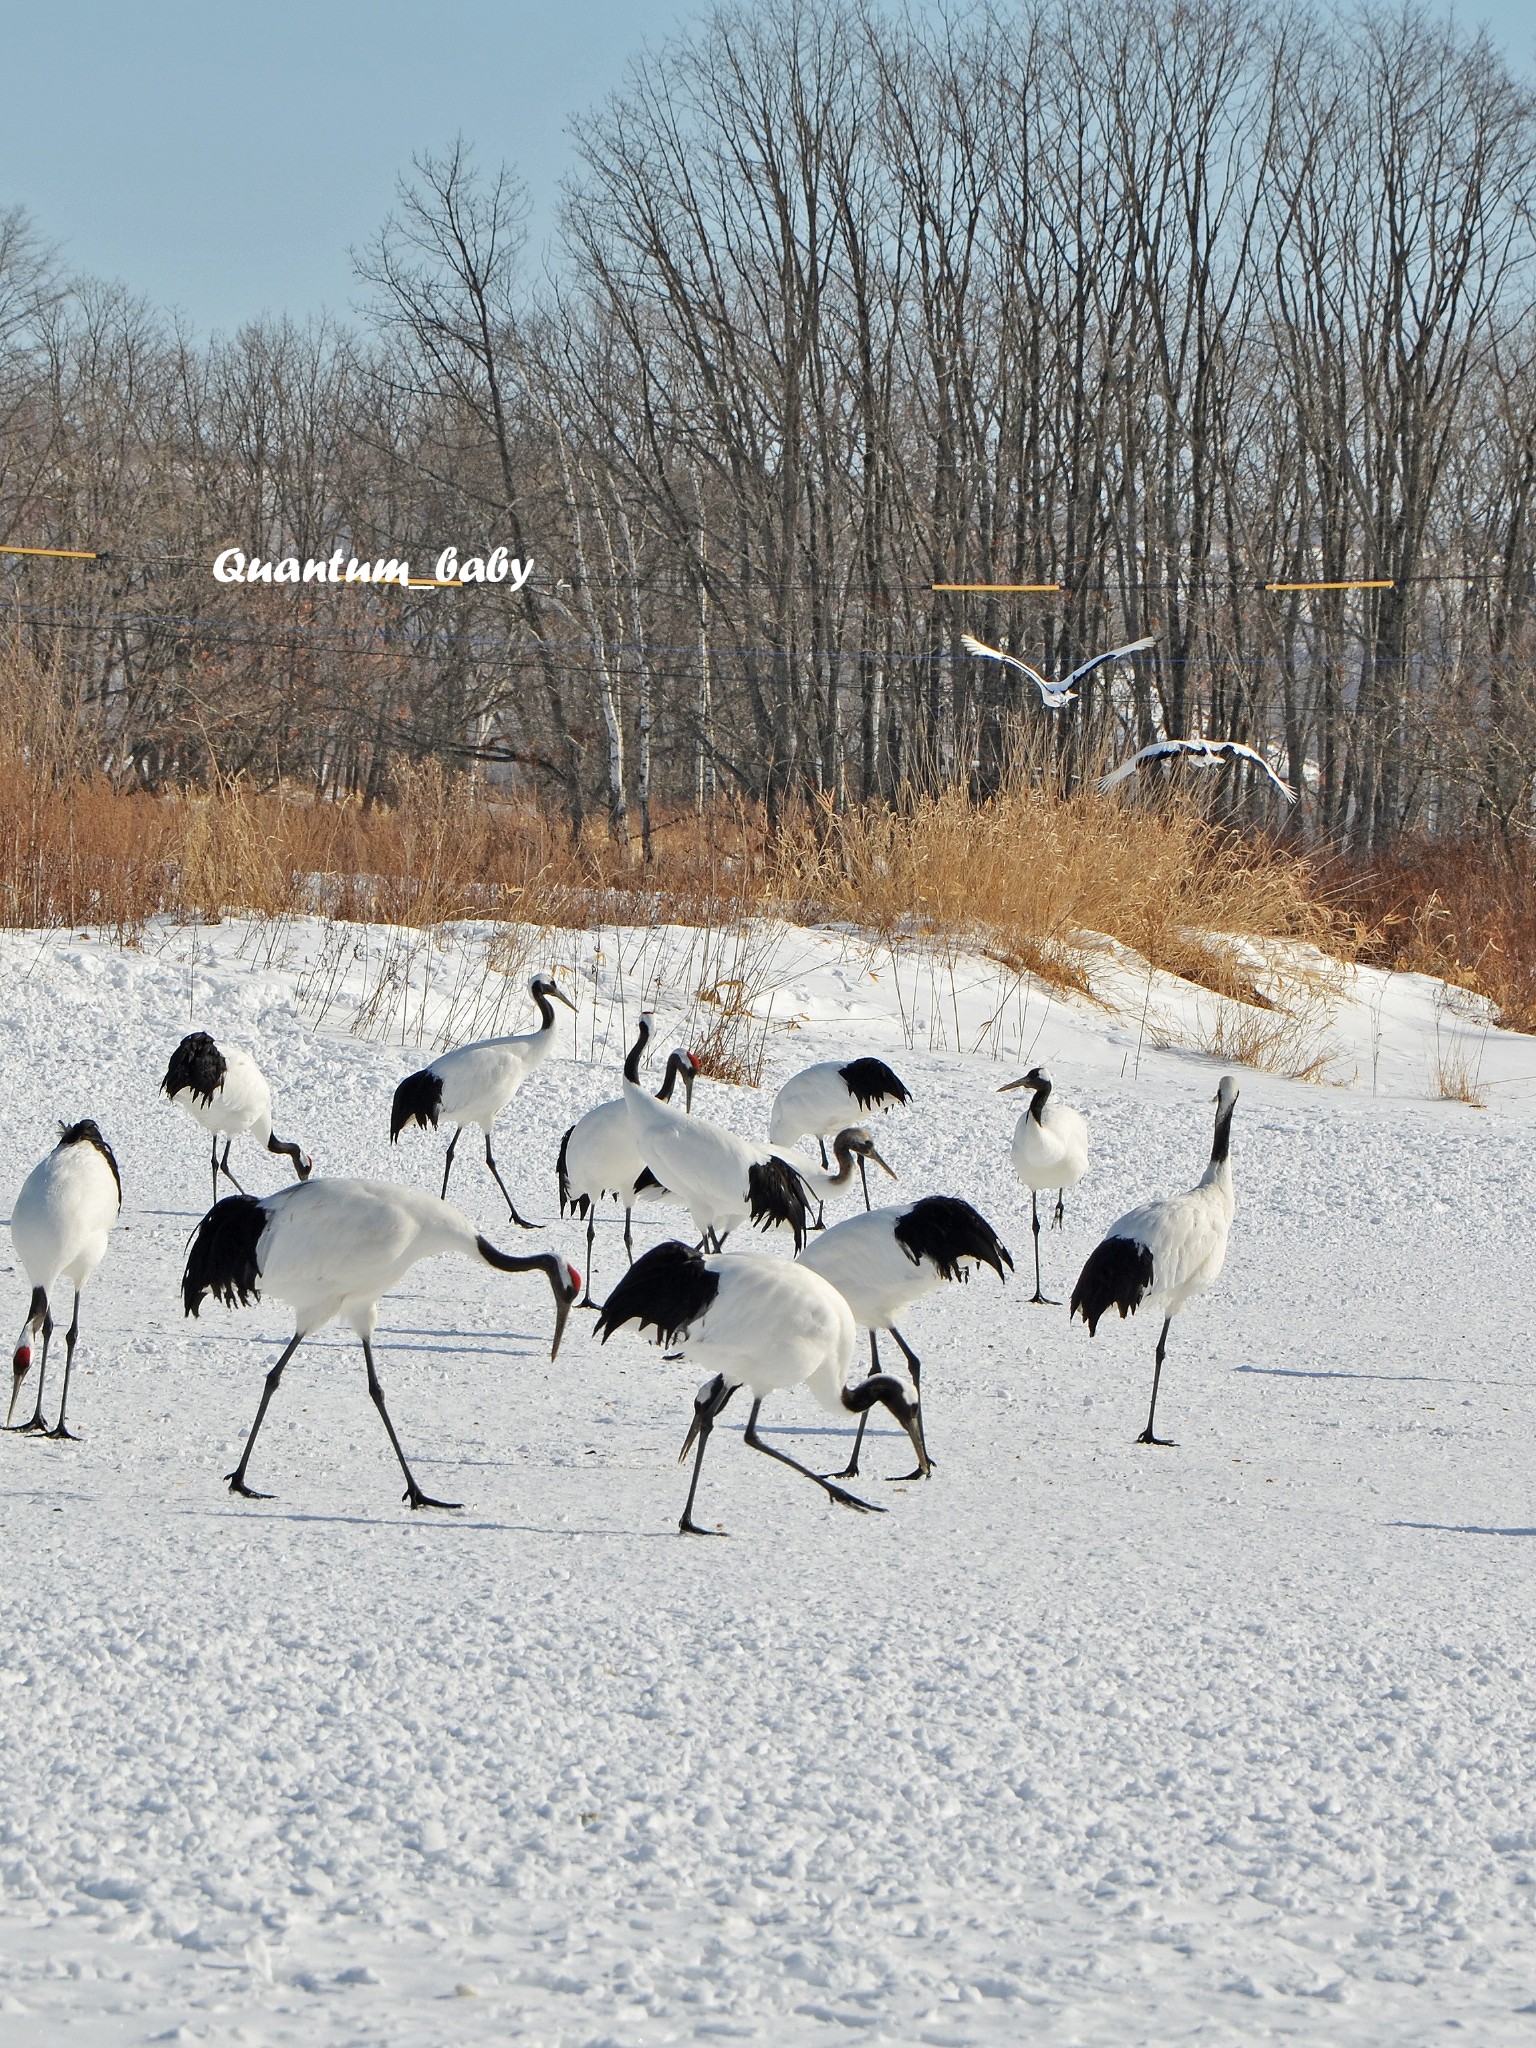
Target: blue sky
(223,160)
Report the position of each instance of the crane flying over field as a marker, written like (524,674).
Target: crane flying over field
(1200,753)
(1054,693)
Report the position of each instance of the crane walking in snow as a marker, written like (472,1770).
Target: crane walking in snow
(820,1101)
(764,1324)
(599,1156)
(225,1092)
(1050,1151)
(722,1180)
(887,1259)
(1165,1252)
(60,1224)
(330,1249)
(474,1083)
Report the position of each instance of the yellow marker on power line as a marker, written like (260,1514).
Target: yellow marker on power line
(436,583)
(62,554)
(1038,588)
(1355,583)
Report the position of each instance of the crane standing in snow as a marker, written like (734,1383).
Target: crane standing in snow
(1165,1252)
(227,1094)
(60,1224)
(330,1249)
(1050,1151)
(883,1261)
(822,1100)
(764,1324)
(474,1083)
(722,1180)
(599,1156)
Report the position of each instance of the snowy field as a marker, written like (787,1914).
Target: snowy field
(1080,1743)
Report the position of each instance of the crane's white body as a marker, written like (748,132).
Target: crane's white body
(60,1224)
(241,1102)
(479,1080)
(1186,1235)
(601,1155)
(1199,753)
(815,1103)
(702,1164)
(1050,1150)
(773,1325)
(330,1248)
(64,1216)
(863,1261)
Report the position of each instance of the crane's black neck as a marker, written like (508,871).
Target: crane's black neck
(632,1063)
(546,1007)
(1221,1144)
(1038,1100)
(669,1079)
(843,1153)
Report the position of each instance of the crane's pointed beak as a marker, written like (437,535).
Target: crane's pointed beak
(561,997)
(884,1163)
(565,1289)
(20,1365)
(1008,1087)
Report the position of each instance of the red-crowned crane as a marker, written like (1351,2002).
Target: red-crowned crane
(60,1224)
(820,1101)
(330,1249)
(722,1180)
(224,1091)
(761,1323)
(1050,1152)
(474,1083)
(1054,692)
(599,1156)
(1165,1252)
(887,1259)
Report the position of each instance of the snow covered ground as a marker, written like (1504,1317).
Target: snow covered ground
(1080,1743)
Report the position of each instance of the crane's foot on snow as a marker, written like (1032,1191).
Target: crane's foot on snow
(1165,1443)
(907,1477)
(688,1527)
(238,1485)
(418,1499)
(845,1499)
(61,1435)
(1038,1300)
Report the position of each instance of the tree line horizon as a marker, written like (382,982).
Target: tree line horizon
(1154,304)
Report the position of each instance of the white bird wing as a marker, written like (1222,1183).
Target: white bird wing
(1207,752)
(1086,668)
(1042,683)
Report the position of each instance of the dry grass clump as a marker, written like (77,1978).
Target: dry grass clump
(1462,910)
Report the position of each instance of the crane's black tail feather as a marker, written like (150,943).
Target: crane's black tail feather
(1117,1274)
(418,1100)
(947,1230)
(776,1194)
(667,1287)
(221,1260)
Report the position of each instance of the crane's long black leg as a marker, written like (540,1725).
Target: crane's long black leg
(521,1221)
(864,1183)
(707,1404)
(215,1166)
(915,1367)
(851,1469)
(586,1300)
(34,1423)
(224,1169)
(824,1160)
(1034,1220)
(70,1335)
(237,1477)
(837,1493)
(453,1145)
(413,1492)
(629,1239)
(1061,1210)
(1146,1436)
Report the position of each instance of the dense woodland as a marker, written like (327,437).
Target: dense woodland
(1156,303)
